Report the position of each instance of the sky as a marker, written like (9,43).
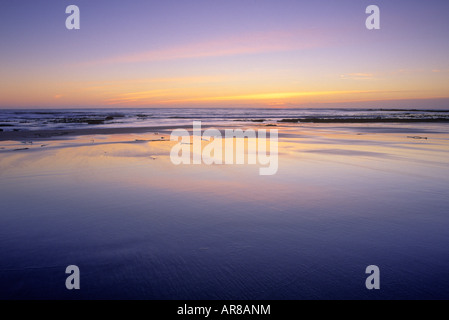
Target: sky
(233,53)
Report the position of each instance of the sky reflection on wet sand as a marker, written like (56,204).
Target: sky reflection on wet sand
(140,227)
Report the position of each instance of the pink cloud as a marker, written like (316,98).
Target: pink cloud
(275,41)
(357,76)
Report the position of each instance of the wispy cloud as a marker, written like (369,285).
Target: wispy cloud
(440,70)
(132,83)
(251,43)
(420,71)
(357,76)
(137,96)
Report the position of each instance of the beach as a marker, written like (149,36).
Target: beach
(110,200)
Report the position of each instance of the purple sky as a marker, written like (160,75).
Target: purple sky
(224,53)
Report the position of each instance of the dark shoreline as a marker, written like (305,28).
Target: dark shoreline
(55,133)
(361,120)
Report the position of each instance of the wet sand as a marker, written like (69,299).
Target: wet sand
(140,227)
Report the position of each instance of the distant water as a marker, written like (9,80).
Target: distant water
(115,118)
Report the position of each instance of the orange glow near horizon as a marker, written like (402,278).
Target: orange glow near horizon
(264,87)
(267,96)
(213,90)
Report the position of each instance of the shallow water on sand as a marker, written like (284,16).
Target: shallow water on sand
(140,227)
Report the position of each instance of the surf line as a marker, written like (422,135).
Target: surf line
(236,147)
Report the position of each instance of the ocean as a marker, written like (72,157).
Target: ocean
(33,119)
